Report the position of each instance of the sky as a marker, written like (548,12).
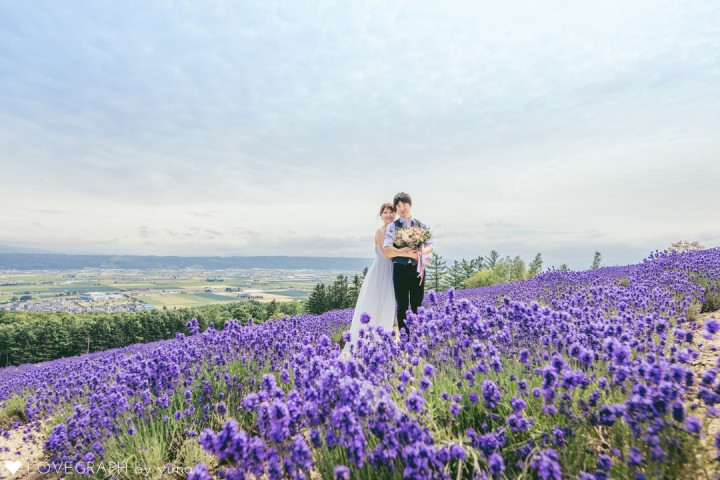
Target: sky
(278,128)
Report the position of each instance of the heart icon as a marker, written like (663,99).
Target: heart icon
(13,466)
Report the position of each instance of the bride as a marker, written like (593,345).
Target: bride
(377,296)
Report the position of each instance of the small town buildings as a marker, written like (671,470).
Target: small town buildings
(93,297)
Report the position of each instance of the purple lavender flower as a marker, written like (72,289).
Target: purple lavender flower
(199,472)
(491,393)
(604,463)
(301,455)
(193,326)
(524,355)
(517,423)
(415,401)
(341,472)
(712,326)
(693,424)
(496,465)
(547,464)
(635,457)
(678,411)
(517,404)
(457,451)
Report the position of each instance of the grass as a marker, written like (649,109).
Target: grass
(12,410)
(156,447)
(162,449)
(711,302)
(298,294)
(337,336)
(215,297)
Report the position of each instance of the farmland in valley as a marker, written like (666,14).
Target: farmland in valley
(159,288)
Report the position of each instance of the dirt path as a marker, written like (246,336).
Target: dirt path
(25,457)
(709,354)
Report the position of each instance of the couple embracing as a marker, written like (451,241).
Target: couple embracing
(396,279)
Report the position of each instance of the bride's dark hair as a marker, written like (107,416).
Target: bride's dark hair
(386,205)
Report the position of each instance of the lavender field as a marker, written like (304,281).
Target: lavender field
(609,373)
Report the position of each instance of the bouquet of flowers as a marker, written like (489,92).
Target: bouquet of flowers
(415,238)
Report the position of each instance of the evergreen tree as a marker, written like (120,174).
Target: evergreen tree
(468,268)
(317,302)
(354,290)
(271,309)
(535,266)
(492,259)
(517,269)
(456,275)
(338,294)
(462,270)
(596,261)
(435,273)
(478,263)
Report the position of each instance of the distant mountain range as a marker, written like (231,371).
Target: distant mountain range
(45,261)
(14,249)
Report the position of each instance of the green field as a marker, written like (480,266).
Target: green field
(291,293)
(152,286)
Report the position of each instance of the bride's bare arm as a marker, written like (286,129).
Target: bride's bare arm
(379,239)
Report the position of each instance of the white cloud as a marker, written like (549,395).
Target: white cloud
(555,127)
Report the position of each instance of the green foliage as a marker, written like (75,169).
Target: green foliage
(597,260)
(317,302)
(338,295)
(535,266)
(12,410)
(271,308)
(693,311)
(492,259)
(31,337)
(463,269)
(337,336)
(505,270)
(483,278)
(435,273)
(712,302)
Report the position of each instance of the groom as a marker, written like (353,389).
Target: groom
(409,288)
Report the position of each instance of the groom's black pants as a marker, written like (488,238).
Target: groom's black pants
(408,290)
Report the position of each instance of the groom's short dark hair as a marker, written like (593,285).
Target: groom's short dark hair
(402,197)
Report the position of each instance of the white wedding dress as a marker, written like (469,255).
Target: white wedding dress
(376,298)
